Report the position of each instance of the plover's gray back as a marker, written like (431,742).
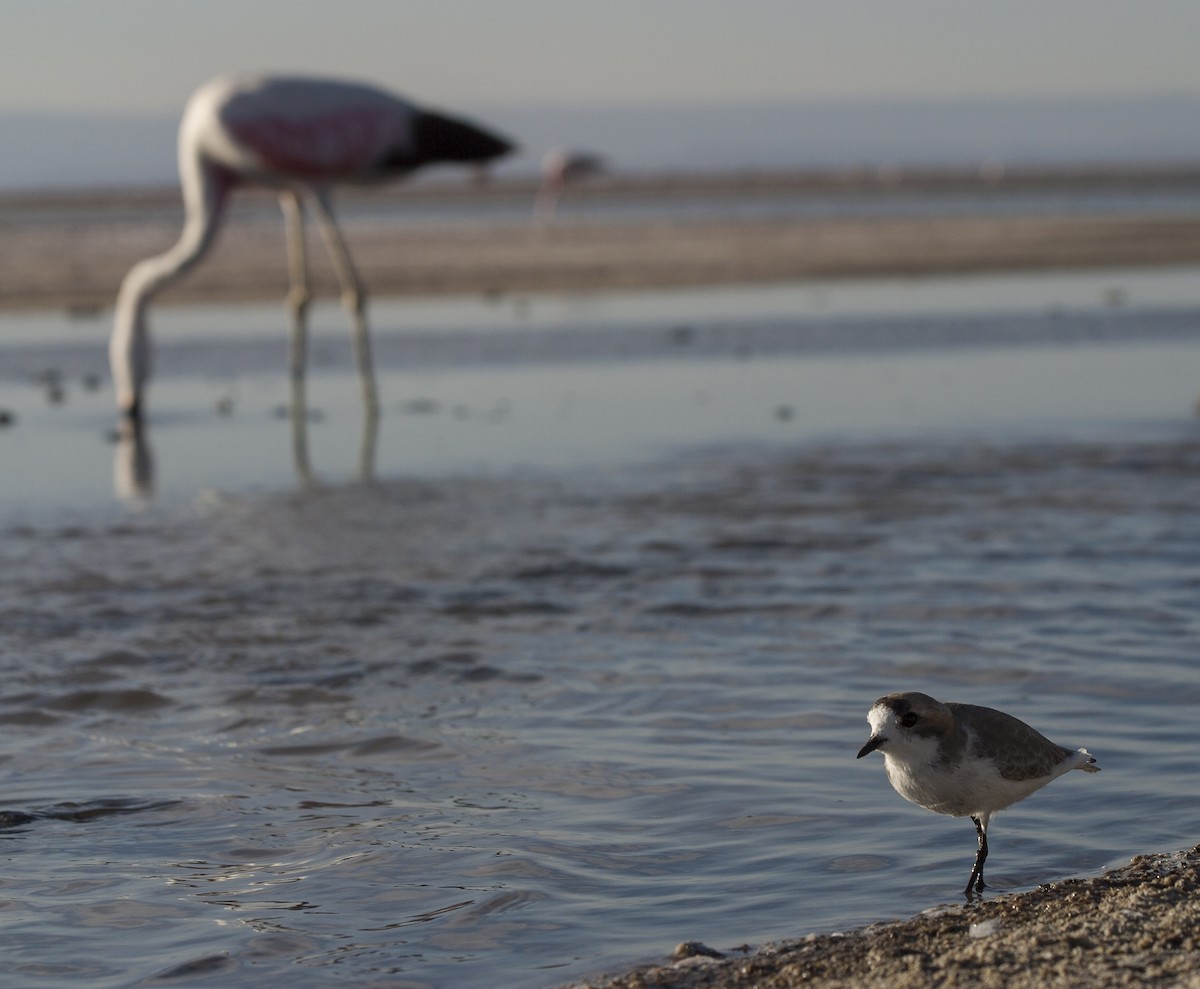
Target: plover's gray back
(1018,751)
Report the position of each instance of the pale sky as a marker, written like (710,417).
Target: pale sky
(138,55)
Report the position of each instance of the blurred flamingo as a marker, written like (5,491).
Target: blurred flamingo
(559,167)
(302,136)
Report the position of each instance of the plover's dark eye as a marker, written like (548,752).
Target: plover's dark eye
(908,720)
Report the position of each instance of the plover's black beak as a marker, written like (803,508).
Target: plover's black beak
(872,744)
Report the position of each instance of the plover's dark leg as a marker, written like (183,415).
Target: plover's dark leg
(976,879)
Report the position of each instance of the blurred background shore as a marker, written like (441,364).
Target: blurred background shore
(69,249)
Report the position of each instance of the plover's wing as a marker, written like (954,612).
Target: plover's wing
(1019,752)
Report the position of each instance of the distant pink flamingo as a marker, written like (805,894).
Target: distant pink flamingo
(302,136)
(559,167)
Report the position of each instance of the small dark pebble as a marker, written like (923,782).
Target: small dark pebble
(695,949)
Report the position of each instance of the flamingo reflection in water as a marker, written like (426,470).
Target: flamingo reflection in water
(134,467)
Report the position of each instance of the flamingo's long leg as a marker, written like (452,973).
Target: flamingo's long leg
(354,297)
(298,300)
(298,291)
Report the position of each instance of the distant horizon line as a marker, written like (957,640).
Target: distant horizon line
(841,102)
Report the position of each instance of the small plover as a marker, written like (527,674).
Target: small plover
(963,760)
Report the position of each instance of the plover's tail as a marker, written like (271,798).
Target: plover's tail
(1084,760)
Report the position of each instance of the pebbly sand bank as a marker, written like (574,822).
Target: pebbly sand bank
(1134,926)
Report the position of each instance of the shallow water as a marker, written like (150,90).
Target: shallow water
(581,672)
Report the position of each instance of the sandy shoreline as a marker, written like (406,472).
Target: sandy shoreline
(71,253)
(1134,926)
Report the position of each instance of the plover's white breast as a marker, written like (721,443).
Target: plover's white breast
(959,789)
